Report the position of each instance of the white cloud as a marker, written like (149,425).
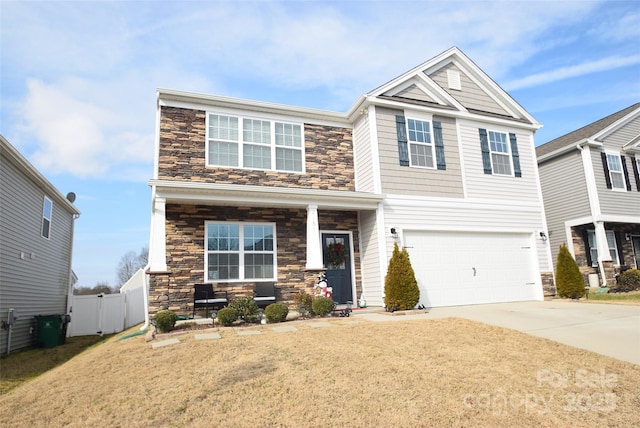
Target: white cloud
(562,73)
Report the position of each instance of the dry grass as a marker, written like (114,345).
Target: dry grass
(629,298)
(444,372)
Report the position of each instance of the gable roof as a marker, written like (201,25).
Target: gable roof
(13,156)
(587,132)
(426,86)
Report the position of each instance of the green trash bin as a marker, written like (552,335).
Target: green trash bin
(49,330)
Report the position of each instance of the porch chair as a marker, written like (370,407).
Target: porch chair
(204,295)
(264,293)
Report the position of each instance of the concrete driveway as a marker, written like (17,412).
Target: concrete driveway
(612,330)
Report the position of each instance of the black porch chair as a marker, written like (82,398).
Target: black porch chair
(264,294)
(205,296)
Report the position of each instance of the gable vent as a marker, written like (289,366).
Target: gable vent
(454,79)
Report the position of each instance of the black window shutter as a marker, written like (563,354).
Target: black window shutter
(516,157)
(626,172)
(486,156)
(437,136)
(605,166)
(585,237)
(619,241)
(636,173)
(403,146)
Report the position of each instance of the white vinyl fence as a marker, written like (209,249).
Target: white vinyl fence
(106,313)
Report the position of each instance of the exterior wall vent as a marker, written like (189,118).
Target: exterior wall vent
(454,79)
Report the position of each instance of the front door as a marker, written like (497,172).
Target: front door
(636,249)
(336,256)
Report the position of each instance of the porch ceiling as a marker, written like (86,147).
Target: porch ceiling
(262,196)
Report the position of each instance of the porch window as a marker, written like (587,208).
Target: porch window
(593,249)
(47,209)
(245,142)
(240,251)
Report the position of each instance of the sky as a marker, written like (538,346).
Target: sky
(78,79)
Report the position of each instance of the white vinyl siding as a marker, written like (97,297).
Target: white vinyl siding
(363,156)
(235,141)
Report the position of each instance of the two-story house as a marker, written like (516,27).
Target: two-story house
(440,160)
(591,191)
(36,246)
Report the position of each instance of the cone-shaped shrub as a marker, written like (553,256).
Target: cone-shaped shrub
(569,280)
(400,286)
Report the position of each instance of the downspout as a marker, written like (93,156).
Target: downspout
(69,310)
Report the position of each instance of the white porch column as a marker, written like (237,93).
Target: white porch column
(603,249)
(314,252)
(157,250)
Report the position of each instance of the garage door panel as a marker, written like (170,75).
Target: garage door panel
(454,268)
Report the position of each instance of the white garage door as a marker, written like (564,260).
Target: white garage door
(454,268)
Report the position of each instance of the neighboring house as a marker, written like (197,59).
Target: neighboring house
(36,241)
(591,193)
(440,160)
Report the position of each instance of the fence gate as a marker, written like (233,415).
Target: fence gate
(105,313)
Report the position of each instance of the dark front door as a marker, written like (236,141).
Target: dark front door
(336,255)
(636,249)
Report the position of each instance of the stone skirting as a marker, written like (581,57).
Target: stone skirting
(548,285)
(185,231)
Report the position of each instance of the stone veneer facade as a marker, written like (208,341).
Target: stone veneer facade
(328,156)
(185,231)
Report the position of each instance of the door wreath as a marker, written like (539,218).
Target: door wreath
(336,254)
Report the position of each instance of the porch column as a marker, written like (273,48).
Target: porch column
(314,252)
(157,250)
(604,255)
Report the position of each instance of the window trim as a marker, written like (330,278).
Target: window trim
(241,252)
(611,172)
(45,219)
(508,153)
(594,260)
(241,143)
(431,144)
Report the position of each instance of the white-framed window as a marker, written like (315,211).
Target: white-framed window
(593,248)
(616,174)
(421,147)
(240,251)
(500,153)
(254,143)
(47,213)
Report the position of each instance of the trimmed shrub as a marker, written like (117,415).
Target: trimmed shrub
(400,285)
(628,281)
(246,308)
(569,280)
(227,316)
(276,312)
(165,321)
(322,306)
(304,303)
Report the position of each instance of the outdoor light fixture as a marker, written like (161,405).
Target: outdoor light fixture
(393,231)
(543,236)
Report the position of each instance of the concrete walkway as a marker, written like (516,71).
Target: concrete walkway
(607,329)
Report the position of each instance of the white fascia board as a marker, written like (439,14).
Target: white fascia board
(167,97)
(14,156)
(632,146)
(609,218)
(616,125)
(568,148)
(462,115)
(243,195)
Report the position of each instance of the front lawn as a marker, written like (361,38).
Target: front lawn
(356,373)
(631,297)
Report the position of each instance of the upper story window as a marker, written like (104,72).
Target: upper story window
(254,143)
(240,251)
(500,154)
(420,144)
(47,212)
(616,174)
